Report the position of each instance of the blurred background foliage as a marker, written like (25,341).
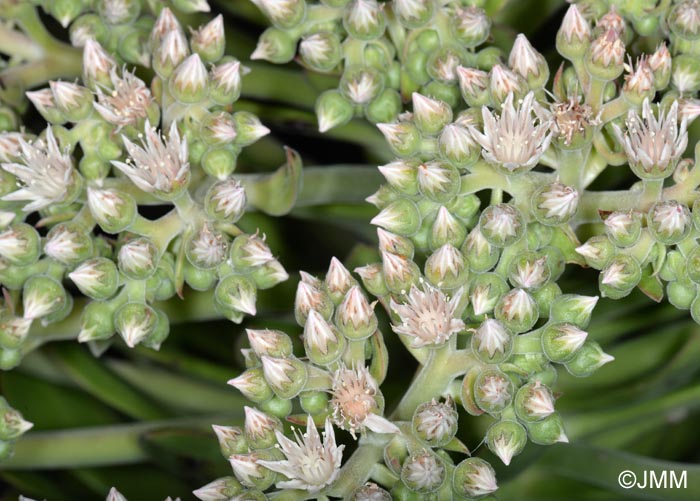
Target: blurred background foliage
(140,419)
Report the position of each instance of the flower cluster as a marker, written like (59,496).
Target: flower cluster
(115,145)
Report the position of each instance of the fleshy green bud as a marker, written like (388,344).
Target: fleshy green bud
(260,428)
(686,76)
(73,100)
(597,251)
(321,51)
(285,14)
(208,41)
(573,309)
(548,431)
(13,330)
(681,294)
(435,422)
(364,20)
(430,115)
(660,63)
(20,244)
(311,296)
(492,342)
(171,51)
(12,424)
(97,321)
(226,200)
(457,145)
(486,290)
(589,358)
(480,254)
(620,275)
(503,81)
(248,128)
(684,20)
(501,225)
(401,217)
(138,258)
(207,248)
(322,342)
(474,478)
(555,203)
(236,293)
(286,376)
(506,439)
(517,310)
(338,280)
(447,268)
(474,86)
(438,181)
(189,82)
(113,210)
(639,82)
(135,322)
(97,278)
(446,229)
(373,279)
(424,471)
(623,228)
(252,385)
(355,316)
(470,26)
(116,12)
(332,110)
(533,402)
(43,100)
(221,489)
(389,242)
(528,63)
(669,222)
(385,107)
(493,390)
(97,65)
(276,46)
(402,174)
(225,82)
(399,272)
(68,243)
(252,474)
(605,58)
(560,341)
(269,342)
(529,271)
(42,296)
(370,491)
(403,137)
(361,84)
(574,36)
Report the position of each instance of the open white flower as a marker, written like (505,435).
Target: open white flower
(517,138)
(312,462)
(126,102)
(429,317)
(159,164)
(45,172)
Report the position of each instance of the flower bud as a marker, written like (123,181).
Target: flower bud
(260,428)
(42,296)
(446,268)
(45,103)
(355,316)
(97,278)
(492,342)
(189,82)
(311,297)
(474,86)
(430,115)
(528,63)
(269,274)
(159,333)
(226,200)
(276,46)
(225,82)
(503,81)
(361,84)
(435,422)
(401,217)
(685,75)
(13,330)
(529,271)
(370,491)
(97,65)
(438,181)
(338,280)
(321,51)
(403,137)
(286,376)
(68,243)
(506,439)
(493,390)
(589,358)
(486,290)
(457,146)
(639,82)
(117,12)
(474,478)
(322,342)
(470,26)
(533,402)
(446,229)
(250,251)
(389,242)
(237,293)
(548,431)
(269,342)
(138,258)
(574,36)
(669,222)
(252,385)
(480,254)
(501,225)
(285,14)
(423,472)
(252,474)
(171,51)
(135,322)
(573,309)
(208,41)
(221,489)
(660,64)
(517,311)
(373,279)
(20,244)
(12,424)
(207,248)
(555,203)
(606,56)
(684,20)
(402,174)
(596,251)
(113,210)
(97,321)
(332,110)
(364,20)
(620,275)
(623,228)
(560,341)
(681,294)
(399,272)
(73,100)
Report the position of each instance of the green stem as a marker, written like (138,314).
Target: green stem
(16,44)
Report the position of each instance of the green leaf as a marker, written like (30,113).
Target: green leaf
(651,286)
